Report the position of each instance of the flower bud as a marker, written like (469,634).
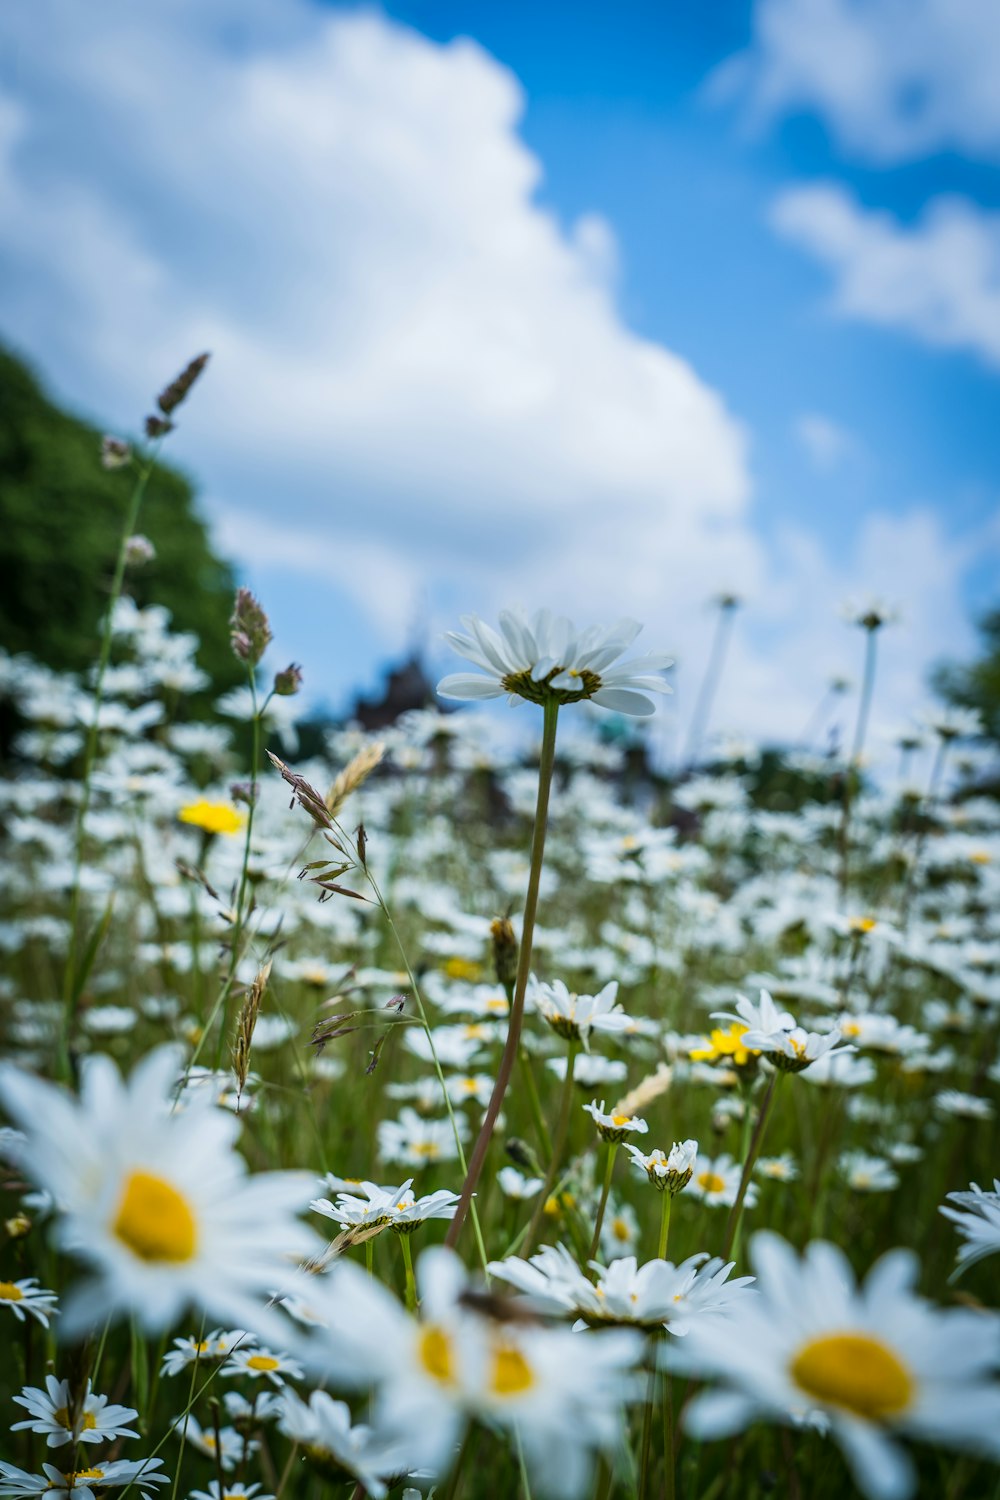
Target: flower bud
(288,682)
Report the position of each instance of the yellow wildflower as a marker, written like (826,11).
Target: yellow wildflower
(212,817)
(726,1044)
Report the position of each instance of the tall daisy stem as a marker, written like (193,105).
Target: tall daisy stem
(668,1200)
(756,1142)
(605,1190)
(558,1143)
(478,1158)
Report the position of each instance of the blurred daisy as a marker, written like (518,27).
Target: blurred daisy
(977,1216)
(546,659)
(514,1184)
(215,1345)
(963,1106)
(413,1142)
(323,1428)
(877,1361)
(226,1451)
(867,1174)
(157,1202)
(716,1180)
(262,1364)
(782,1168)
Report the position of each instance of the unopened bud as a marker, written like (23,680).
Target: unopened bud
(522,1155)
(139,550)
(245,791)
(249,628)
(288,682)
(158,427)
(115,453)
(18,1226)
(505,951)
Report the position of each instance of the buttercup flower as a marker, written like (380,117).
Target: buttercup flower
(212,817)
(546,658)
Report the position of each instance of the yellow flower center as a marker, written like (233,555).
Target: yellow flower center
(155,1221)
(87,1424)
(620,1230)
(212,817)
(711,1182)
(850,1028)
(620,1119)
(469,1085)
(86,1475)
(10,1293)
(263,1362)
(862,924)
(981,857)
(511,1374)
(856,1372)
(435,1353)
(463,968)
(430,1149)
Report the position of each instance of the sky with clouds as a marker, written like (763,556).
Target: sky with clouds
(604,308)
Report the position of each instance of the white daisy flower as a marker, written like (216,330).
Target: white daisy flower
(762,1018)
(50,1413)
(413,1142)
(670,1170)
(159,1203)
(83,1484)
(590,1071)
(877,1361)
(262,1364)
(323,1427)
(227,1451)
(560,1395)
(26,1296)
(716,1180)
(574,1017)
(547,659)
(216,1491)
(514,1184)
(978,1219)
(782,1168)
(614,1127)
(625,1294)
(215,1345)
(963,1106)
(867,1174)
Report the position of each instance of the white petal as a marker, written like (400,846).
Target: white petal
(465,685)
(621,701)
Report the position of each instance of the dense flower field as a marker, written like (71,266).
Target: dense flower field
(697,1093)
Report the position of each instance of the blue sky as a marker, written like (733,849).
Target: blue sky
(616,308)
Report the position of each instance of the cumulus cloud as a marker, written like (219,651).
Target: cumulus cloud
(894,80)
(422,389)
(938,280)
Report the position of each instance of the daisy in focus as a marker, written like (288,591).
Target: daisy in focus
(53,1413)
(157,1202)
(546,659)
(876,1361)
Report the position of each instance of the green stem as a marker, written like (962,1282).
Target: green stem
(530,1088)
(605,1190)
(411,1285)
(756,1141)
(477,1161)
(661,1249)
(558,1143)
(70,996)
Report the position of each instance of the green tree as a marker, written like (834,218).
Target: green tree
(977,684)
(61,515)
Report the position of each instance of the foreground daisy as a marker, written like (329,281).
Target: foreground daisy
(158,1203)
(323,1428)
(547,659)
(558,1395)
(877,1362)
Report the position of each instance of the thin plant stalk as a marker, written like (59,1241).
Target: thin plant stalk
(411,1285)
(605,1190)
(851,771)
(710,682)
(665,1207)
(558,1143)
(756,1142)
(478,1158)
(70,996)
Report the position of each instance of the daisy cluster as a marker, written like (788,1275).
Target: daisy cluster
(261,1060)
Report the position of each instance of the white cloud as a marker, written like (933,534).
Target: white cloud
(825,441)
(422,391)
(894,80)
(938,280)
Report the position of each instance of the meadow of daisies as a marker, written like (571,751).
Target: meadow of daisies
(434,1118)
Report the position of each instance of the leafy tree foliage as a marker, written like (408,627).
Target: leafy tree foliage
(977,684)
(61,515)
